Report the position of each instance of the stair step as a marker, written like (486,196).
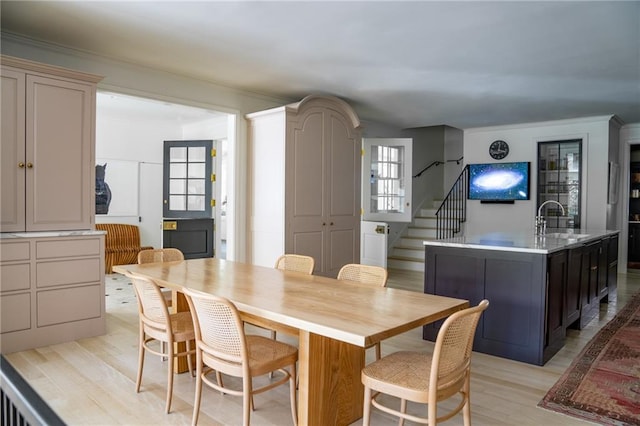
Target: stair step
(411,242)
(425,221)
(413,231)
(399,262)
(408,252)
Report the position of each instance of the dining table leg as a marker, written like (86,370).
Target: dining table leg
(330,388)
(179,304)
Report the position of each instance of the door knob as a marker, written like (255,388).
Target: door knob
(29,165)
(21,165)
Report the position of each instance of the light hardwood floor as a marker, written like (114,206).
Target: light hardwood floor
(92,381)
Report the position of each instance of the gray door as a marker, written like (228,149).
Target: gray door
(188,181)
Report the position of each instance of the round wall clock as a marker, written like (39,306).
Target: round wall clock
(498,149)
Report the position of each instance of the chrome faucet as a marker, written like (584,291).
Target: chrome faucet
(540,223)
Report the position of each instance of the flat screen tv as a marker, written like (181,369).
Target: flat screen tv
(499,181)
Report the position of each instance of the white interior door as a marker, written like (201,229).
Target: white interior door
(373,243)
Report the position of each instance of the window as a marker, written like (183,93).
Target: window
(187,179)
(387,183)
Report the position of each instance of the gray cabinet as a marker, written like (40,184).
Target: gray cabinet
(534,297)
(572,295)
(589,295)
(612,267)
(555,318)
(513,282)
(51,290)
(48,120)
(51,283)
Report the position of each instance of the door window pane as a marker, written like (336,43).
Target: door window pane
(178,154)
(195,203)
(177,186)
(197,186)
(197,170)
(197,154)
(177,171)
(177,202)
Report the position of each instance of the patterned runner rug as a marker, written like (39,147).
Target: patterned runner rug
(602,384)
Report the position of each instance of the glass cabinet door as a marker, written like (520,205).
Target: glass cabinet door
(559,178)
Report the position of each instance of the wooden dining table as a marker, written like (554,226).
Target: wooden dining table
(334,321)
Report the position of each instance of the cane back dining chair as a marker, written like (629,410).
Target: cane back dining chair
(222,347)
(296,263)
(158,325)
(366,274)
(161,255)
(427,378)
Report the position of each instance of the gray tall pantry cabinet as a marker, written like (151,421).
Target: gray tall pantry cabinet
(304,183)
(51,258)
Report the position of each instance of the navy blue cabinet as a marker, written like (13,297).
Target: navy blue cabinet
(534,297)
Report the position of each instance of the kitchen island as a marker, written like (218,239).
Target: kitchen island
(538,286)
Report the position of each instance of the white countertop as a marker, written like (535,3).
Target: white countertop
(554,240)
(46,234)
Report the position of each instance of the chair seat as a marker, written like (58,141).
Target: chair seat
(400,374)
(267,355)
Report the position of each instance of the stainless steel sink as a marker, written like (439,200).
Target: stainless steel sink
(566,235)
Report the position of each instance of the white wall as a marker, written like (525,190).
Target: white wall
(135,140)
(522,139)
(453,150)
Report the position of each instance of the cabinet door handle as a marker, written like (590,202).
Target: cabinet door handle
(331,224)
(29,165)
(21,165)
(324,224)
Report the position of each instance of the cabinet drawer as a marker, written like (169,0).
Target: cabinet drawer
(15,277)
(68,304)
(67,248)
(15,314)
(14,251)
(65,272)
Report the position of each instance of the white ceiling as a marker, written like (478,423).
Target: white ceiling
(410,63)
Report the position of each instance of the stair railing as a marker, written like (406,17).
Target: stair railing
(430,165)
(453,210)
(19,403)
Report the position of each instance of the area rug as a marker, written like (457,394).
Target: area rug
(602,384)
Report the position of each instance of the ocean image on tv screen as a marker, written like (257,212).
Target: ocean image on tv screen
(499,181)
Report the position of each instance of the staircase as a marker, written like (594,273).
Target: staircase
(442,220)
(408,252)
